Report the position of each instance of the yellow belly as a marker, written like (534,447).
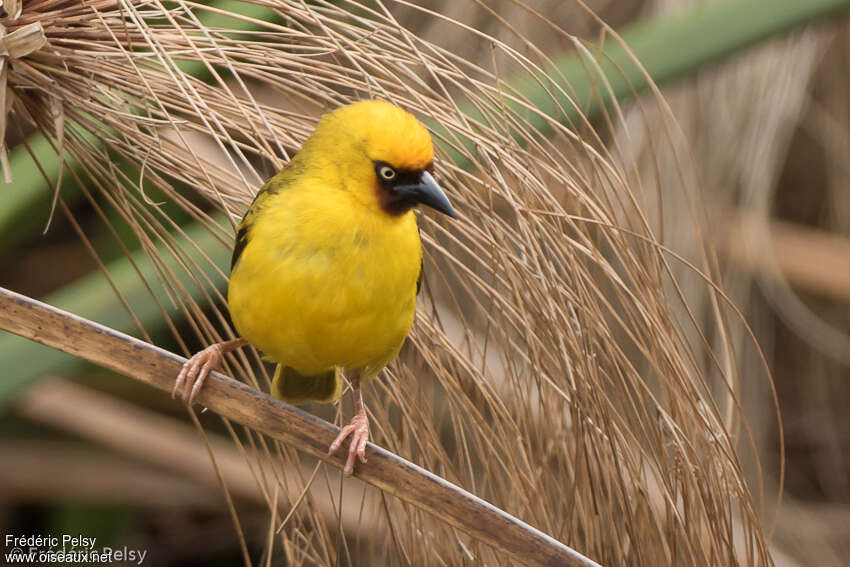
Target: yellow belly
(327,284)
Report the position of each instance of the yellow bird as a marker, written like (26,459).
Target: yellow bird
(327,261)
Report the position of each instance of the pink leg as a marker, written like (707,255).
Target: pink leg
(197,368)
(358,429)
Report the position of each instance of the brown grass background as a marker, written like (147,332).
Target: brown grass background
(565,365)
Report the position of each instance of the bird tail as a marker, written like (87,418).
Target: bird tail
(290,386)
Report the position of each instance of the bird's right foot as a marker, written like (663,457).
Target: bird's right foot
(196,369)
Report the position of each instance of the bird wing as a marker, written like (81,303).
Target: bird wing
(241,242)
(271,187)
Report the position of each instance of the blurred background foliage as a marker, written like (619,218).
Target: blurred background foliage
(750,153)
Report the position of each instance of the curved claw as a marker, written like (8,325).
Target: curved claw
(195,371)
(358,430)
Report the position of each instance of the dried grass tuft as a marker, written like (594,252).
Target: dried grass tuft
(555,369)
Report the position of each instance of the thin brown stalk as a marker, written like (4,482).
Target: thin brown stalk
(157,367)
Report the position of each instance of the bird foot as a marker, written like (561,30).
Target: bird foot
(358,429)
(195,371)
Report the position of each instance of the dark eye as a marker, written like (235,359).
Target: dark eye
(386,173)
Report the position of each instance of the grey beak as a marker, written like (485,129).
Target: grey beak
(428,193)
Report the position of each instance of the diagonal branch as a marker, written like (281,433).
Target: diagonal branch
(134,358)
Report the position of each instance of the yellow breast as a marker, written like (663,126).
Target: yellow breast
(325,281)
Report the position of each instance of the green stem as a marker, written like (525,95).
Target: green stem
(668,47)
(135,277)
(674,46)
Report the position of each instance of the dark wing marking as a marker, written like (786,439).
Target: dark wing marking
(241,242)
(419,277)
(245,225)
(271,187)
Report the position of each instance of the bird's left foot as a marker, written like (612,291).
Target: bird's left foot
(358,429)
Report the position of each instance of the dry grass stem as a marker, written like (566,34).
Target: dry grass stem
(233,400)
(560,366)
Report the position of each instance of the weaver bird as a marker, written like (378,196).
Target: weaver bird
(327,262)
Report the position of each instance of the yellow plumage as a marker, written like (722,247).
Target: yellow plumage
(325,272)
(327,261)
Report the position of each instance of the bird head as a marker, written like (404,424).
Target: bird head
(381,154)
